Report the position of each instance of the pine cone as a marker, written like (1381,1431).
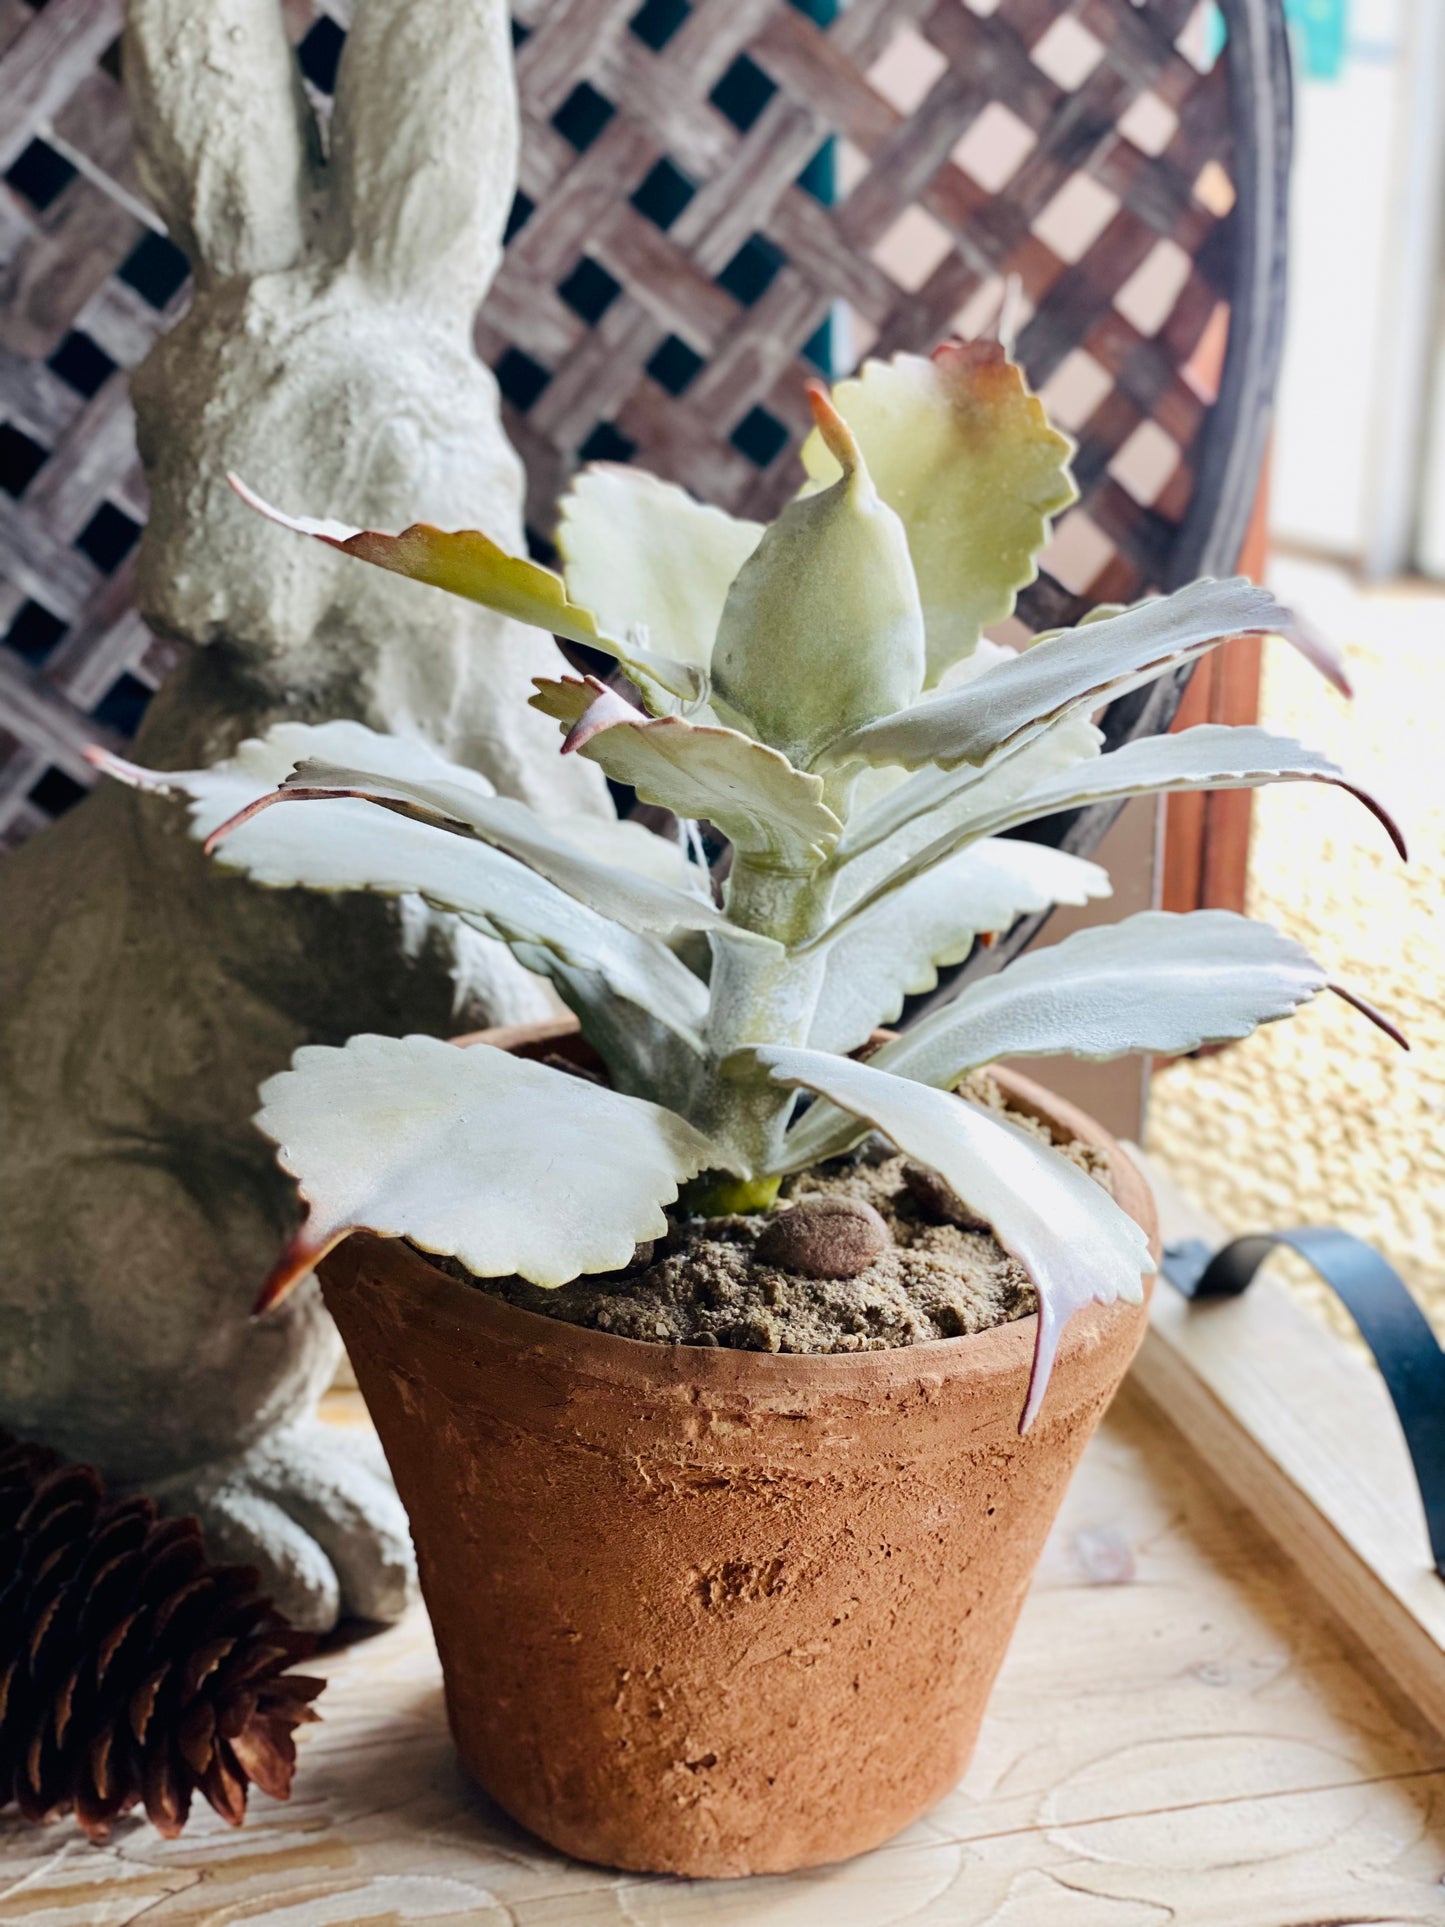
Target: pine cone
(132,1672)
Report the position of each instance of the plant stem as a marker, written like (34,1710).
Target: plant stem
(761,996)
(719,1195)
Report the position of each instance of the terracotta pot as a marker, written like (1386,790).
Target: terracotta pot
(717,1612)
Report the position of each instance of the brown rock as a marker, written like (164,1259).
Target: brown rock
(825,1237)
(940,1200)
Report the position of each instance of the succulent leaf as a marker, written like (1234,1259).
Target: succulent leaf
(1076,1244)
(936,810)
(1156,982)
(963,452)
(822,630)
(894,949)
(1077,669)
(769,809)
(645,556)
(643,1057)
(631,846)
(1211,756)
(472,1153)
(262,763)
(1101,612)
(873,783)
(633,898)
(349,844)
(467,563)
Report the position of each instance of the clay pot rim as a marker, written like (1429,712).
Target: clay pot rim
(1002,1350)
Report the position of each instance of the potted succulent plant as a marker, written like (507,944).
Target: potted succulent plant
(734,1602)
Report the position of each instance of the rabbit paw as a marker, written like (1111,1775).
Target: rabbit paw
(312,1507)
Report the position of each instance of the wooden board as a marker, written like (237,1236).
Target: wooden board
(1207,832)
(1301,1427)
(1180,1735)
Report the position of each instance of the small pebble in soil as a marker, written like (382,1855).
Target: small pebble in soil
(939,1200)
(824,1237)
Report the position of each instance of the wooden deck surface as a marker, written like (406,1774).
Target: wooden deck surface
(1180,1736)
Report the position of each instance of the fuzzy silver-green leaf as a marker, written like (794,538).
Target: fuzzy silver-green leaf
(475,1153)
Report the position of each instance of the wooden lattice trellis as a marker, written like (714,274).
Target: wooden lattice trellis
(717,198)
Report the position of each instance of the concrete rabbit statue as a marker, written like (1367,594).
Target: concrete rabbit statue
(143,997)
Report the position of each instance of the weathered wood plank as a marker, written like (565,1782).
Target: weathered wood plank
(1304,1433)
(47,60)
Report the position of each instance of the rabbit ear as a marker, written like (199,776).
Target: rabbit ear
(424,146)
(227,146)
